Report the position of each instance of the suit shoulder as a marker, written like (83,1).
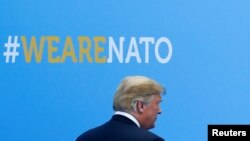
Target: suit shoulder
(118,131)
(91,134)
(149,135)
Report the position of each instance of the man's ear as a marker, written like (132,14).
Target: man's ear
(140,106)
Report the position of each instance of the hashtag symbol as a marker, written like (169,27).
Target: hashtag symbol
(11,49)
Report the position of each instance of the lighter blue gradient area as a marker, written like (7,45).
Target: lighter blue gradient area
(207,78)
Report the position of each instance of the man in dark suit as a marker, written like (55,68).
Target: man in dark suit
(136,106)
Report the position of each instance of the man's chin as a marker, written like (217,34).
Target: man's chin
(153,126)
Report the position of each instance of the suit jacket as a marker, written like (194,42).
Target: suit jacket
(119,128)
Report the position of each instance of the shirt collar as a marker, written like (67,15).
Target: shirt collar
(128,116)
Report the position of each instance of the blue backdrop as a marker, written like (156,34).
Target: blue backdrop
(207,77)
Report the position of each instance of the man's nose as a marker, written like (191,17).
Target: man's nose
(159,111)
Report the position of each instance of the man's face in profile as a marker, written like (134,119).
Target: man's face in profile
(151,110)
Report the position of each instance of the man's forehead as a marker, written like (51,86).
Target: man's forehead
(158,97)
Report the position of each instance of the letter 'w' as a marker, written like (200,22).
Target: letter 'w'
(33,48)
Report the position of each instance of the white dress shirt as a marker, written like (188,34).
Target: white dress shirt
(128,116)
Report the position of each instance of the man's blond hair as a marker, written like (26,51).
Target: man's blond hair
(132,89)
